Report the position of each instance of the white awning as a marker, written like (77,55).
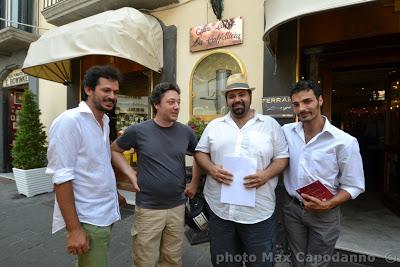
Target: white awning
(126,33)
(278,12)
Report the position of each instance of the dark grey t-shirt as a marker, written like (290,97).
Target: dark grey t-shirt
(161,162)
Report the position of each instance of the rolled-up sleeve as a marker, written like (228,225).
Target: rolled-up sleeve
(280,145)
(203,144)
(351,169)
(62,153)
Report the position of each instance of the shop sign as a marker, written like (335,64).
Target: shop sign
(218,34)
(277,106)
(16,77)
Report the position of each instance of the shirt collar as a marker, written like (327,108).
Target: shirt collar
(328,127)
(84,108)
(228,118)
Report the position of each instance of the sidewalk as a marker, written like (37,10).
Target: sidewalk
(26,239)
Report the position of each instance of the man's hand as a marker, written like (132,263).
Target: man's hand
(315,205)
(221,175)
(121,201)
(133,179)
(77,241)
(191,189)
(255,180)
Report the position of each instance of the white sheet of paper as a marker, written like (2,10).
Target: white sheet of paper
(236,193)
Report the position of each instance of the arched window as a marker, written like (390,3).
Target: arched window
(208,78)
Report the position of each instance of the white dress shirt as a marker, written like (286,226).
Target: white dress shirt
(79,151)
(332,157)
(260,138)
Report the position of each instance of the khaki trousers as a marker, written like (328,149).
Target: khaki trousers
(157,236)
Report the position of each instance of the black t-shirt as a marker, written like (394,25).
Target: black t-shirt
(161,162)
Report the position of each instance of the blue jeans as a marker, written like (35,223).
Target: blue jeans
(232,244)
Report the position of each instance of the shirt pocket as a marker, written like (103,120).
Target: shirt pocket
(260,146)
(323,165)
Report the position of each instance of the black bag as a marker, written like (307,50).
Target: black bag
(196,216)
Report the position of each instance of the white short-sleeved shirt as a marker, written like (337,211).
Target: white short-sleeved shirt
(79,151)
(260,138)
(332,157)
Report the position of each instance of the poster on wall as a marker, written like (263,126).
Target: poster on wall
(277,106)
(222,33)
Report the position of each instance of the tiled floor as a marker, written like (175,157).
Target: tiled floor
(368,227)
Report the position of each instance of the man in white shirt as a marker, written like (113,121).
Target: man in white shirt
(241,233)
(318,152)
(79,160)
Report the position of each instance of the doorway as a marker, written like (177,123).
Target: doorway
(365,102)
(12,106)
(359,97)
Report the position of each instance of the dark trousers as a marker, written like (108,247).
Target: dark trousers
(232,244)
(312,235)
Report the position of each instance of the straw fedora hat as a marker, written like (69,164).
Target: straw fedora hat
(236,81)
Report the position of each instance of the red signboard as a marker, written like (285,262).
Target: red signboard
(218,34)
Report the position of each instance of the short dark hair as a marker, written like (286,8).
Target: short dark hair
(306,85)
(159,91)
(94,73)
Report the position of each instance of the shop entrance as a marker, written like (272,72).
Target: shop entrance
(359,81)
(12,106)
(363,100)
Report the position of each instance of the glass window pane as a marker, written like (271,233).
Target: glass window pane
(208,79)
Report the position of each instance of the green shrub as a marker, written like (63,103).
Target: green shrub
(29,149)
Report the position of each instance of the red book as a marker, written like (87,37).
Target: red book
(316,189)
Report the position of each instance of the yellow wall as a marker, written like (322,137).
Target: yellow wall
(52,96)
(199,12)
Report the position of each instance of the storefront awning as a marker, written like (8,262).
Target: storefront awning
(126,33)
(278,12)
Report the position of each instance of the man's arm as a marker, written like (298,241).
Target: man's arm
(77,238)
(120,162)
(261,177)
(217,172)
(351,180)
(191,188)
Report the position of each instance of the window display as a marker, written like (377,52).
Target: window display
(209,77)
(131,110)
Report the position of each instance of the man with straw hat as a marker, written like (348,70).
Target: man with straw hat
(242,234)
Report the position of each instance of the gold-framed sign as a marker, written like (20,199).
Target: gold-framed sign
(222,33)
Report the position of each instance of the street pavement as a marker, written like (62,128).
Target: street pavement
(26,239)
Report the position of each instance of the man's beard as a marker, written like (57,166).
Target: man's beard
(98,106)
(238,111)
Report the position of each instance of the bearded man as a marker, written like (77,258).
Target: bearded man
(242,234)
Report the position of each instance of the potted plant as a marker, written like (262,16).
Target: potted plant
(198,125)
(29,150)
